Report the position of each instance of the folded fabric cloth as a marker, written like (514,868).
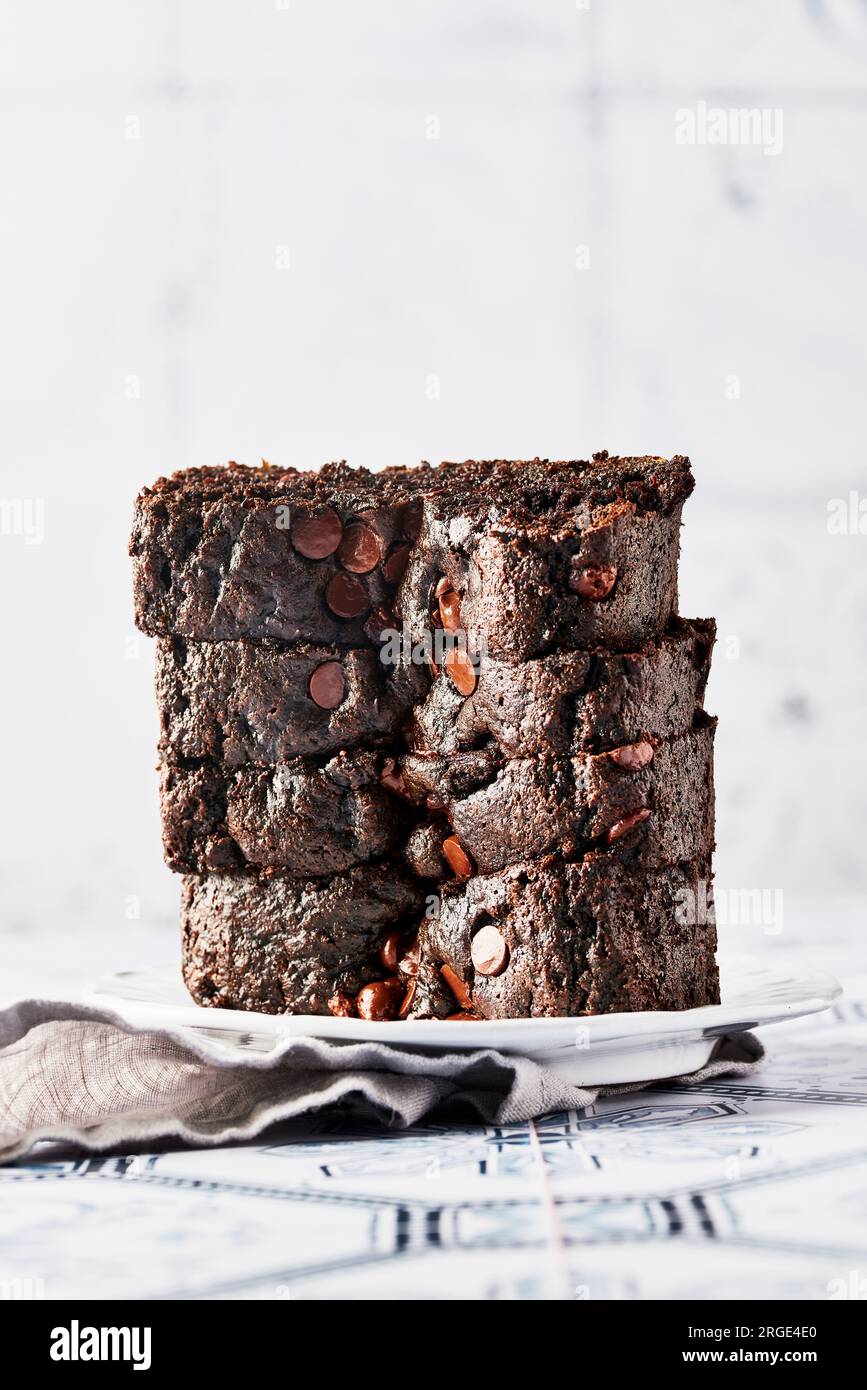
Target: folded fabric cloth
(83,1076)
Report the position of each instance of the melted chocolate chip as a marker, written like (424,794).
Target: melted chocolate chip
(346,596)
(379,1002)
(458,859)
(328,685)
(316,535)
(360,550)
(623,827)
(396,561)
(633,756)
(594,582)
(489,951)
(461,670)
(457,986)
(450,611)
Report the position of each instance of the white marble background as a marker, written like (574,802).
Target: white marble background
(162,161)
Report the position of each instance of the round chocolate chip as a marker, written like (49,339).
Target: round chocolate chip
(360,550)
(489,951)
(316,534)
(346,596)
(396,561)
(328,685)
(458,859)
(594,582)
(379,1002)
(633,756)
(462,672)
(623,827)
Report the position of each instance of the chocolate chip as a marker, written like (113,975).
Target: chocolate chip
(316,534)
(489,951)
(388,952)
(457,986)
(341,1005)
(380,1001)
(408,963)
(594,582)
(623,827)
(395,563)
(328,685)
(462,672)
(450,611)
(377,623)
(463,1017)
(346,596)
(360,550)
(223,853)
(633,756)
(407,1000)
(457,857)
(444,586)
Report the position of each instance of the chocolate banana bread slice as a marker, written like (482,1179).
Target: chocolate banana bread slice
(535,553)
(236,552)
(646,803)
(266,703)
(571,702)
(550,561)
(283,945)
(308,820)
(551,938)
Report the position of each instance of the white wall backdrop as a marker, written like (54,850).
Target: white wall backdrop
(317,229)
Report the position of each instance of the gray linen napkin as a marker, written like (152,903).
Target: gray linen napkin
(83,1076)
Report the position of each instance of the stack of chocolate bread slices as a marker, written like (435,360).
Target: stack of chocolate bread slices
(432,739)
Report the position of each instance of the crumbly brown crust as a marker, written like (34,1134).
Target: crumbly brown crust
(217,554)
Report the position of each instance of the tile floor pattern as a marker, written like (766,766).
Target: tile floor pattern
(751,1189)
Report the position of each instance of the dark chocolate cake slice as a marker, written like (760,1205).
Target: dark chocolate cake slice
(571,701)
(646,803)
(537,553)
(550,938)
(264,703)
(286,945)
(306,819)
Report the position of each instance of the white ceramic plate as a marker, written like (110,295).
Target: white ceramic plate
(607,1050)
